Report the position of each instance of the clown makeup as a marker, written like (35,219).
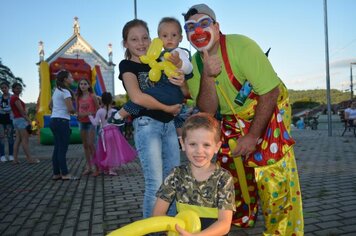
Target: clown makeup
(199,33)
(203,22)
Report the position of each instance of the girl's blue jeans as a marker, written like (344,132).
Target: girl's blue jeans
(61,132)
(158,150)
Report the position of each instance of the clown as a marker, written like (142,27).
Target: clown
(260,125)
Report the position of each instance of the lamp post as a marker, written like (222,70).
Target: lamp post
(135,9)
(351,82)
(328,98)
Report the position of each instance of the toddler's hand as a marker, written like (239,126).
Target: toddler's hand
(175,59)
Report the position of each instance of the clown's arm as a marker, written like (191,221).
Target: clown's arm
(207,100)
(264,109)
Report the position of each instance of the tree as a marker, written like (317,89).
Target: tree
(7,75)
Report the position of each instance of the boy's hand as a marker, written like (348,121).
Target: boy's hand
(182,232)
(175,59)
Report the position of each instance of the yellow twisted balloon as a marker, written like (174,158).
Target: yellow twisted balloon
(240,173)
(187,220)
(237,160)
(151,57)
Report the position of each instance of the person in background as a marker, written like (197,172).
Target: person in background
(350,114)
(21,123)
(200,185)
(6,126)
(234,78)
(62,107)
(300,123)
(87,104)
(112,149)
(155,136)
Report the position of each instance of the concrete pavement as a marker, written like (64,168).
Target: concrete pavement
(32,204)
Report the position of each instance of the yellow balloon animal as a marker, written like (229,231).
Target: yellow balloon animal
(240,173)
(188,220)
(151,57)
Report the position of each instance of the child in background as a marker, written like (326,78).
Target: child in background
(21,121)
(6,126)
(61,105)
(87,104)
(112,149)
(201,185)
(170,32)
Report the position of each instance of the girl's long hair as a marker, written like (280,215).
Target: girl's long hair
(60,77)
(106,100)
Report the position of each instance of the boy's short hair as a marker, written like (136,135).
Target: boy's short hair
(202,120)
(170,20)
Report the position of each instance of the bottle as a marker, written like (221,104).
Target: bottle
(243,93)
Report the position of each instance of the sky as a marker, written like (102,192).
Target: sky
(295,31)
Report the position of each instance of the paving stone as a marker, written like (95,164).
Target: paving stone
(83,225)
(12,230)
(24,232)
(19,221)
(329,224)
(329,212)
(348,214)
(84,217)
(67,231)
(330,232)
(54,229)
(9,218)
(309,228)
(39,233)
(97,229)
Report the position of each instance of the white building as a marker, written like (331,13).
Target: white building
(77,48)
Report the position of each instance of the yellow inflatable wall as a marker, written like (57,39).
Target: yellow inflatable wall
(45,94)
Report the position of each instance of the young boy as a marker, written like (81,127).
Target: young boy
(170,32)
(200,185)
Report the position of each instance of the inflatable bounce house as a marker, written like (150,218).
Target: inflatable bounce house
(79,58)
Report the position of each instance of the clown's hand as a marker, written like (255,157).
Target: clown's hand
(246,145)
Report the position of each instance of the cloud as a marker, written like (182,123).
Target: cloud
(317,80)
(342,63)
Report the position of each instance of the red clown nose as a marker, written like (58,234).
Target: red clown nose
(199,30)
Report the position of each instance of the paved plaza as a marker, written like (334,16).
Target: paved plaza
(33,204)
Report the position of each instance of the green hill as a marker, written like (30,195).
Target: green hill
(317,95)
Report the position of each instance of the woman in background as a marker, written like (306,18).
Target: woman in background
(61,106)
(22,124)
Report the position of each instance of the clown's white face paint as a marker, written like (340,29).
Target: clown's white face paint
(201,37)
